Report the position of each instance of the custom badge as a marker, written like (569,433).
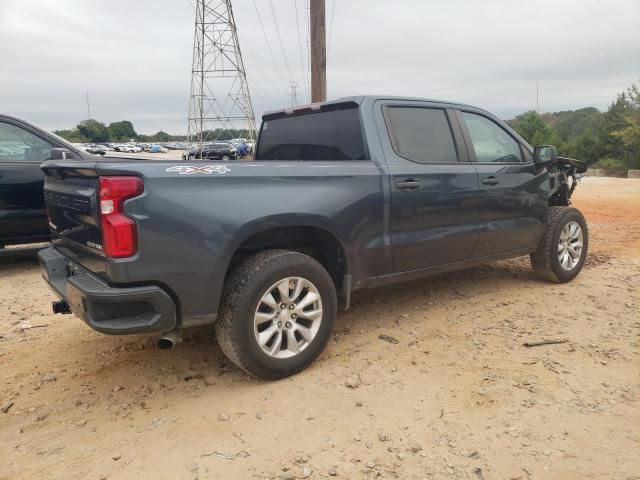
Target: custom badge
(206,169)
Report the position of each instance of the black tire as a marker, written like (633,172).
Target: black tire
(545,259)
(241,294)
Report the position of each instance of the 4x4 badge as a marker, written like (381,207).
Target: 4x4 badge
(207,169)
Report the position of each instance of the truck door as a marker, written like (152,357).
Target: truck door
(22,212)
(434,188)
(514,193)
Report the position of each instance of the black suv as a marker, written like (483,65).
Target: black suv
(213,151)
(23,148)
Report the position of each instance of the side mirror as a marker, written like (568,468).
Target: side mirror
(543,154)
(62,154)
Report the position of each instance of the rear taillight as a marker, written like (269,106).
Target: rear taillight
(118,231)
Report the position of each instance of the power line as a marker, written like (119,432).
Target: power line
(333,9)
(266,38)
(256,89)
(253,55)
(284,54)
(302,62)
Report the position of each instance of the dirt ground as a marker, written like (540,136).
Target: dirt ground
(457,396)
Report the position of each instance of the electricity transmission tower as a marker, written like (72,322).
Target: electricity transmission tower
(294,94)
(219,92)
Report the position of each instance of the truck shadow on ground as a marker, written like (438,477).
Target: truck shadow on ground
(110,362)
(199,357)
(11,260)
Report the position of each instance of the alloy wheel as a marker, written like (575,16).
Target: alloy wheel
(570,245)
(288,317)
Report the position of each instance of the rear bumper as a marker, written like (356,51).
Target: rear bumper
(106,309)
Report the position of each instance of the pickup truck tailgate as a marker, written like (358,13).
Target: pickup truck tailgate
(71,199)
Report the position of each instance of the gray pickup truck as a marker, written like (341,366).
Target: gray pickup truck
(350,194)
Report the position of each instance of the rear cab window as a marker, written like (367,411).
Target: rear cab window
(334,134)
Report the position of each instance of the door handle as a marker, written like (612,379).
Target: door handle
(490,181)
(409,184)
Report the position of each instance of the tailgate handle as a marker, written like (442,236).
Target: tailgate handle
(409,184)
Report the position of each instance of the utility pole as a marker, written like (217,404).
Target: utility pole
(538,97)
(318,29)
(88,109)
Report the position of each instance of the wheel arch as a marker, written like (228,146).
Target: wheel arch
(310,236)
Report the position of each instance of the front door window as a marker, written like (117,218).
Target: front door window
(20,145)
(491,143)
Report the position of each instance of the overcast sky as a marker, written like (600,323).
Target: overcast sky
(134,56)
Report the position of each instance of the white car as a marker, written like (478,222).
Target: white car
(130,149)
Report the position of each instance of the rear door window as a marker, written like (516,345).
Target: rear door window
(332,135)
(20,145)
(422,135)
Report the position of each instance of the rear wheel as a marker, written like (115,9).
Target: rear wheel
(563,249)
(277,313)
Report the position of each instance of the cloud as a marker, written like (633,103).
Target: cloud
(134,58)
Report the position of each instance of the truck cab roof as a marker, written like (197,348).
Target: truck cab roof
(359,100)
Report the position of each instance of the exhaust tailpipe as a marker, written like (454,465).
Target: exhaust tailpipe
(169,340)
(60,306)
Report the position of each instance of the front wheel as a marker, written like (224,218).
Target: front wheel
(277,313)
(562,251)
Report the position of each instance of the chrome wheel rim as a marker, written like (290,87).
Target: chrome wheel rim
(570,245)
(288,317)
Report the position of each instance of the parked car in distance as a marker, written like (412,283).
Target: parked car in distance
(355,193)
(23,148)
(80,147)
(238,141)
(128,148)
(212,151)
(175,146)
(155,149)
(96,149)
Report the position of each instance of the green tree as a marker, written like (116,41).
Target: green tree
(122,131)
(531,127)
(73,136)
(613,121)
(161,137)
(94,131)
(611,138)
(627,137)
